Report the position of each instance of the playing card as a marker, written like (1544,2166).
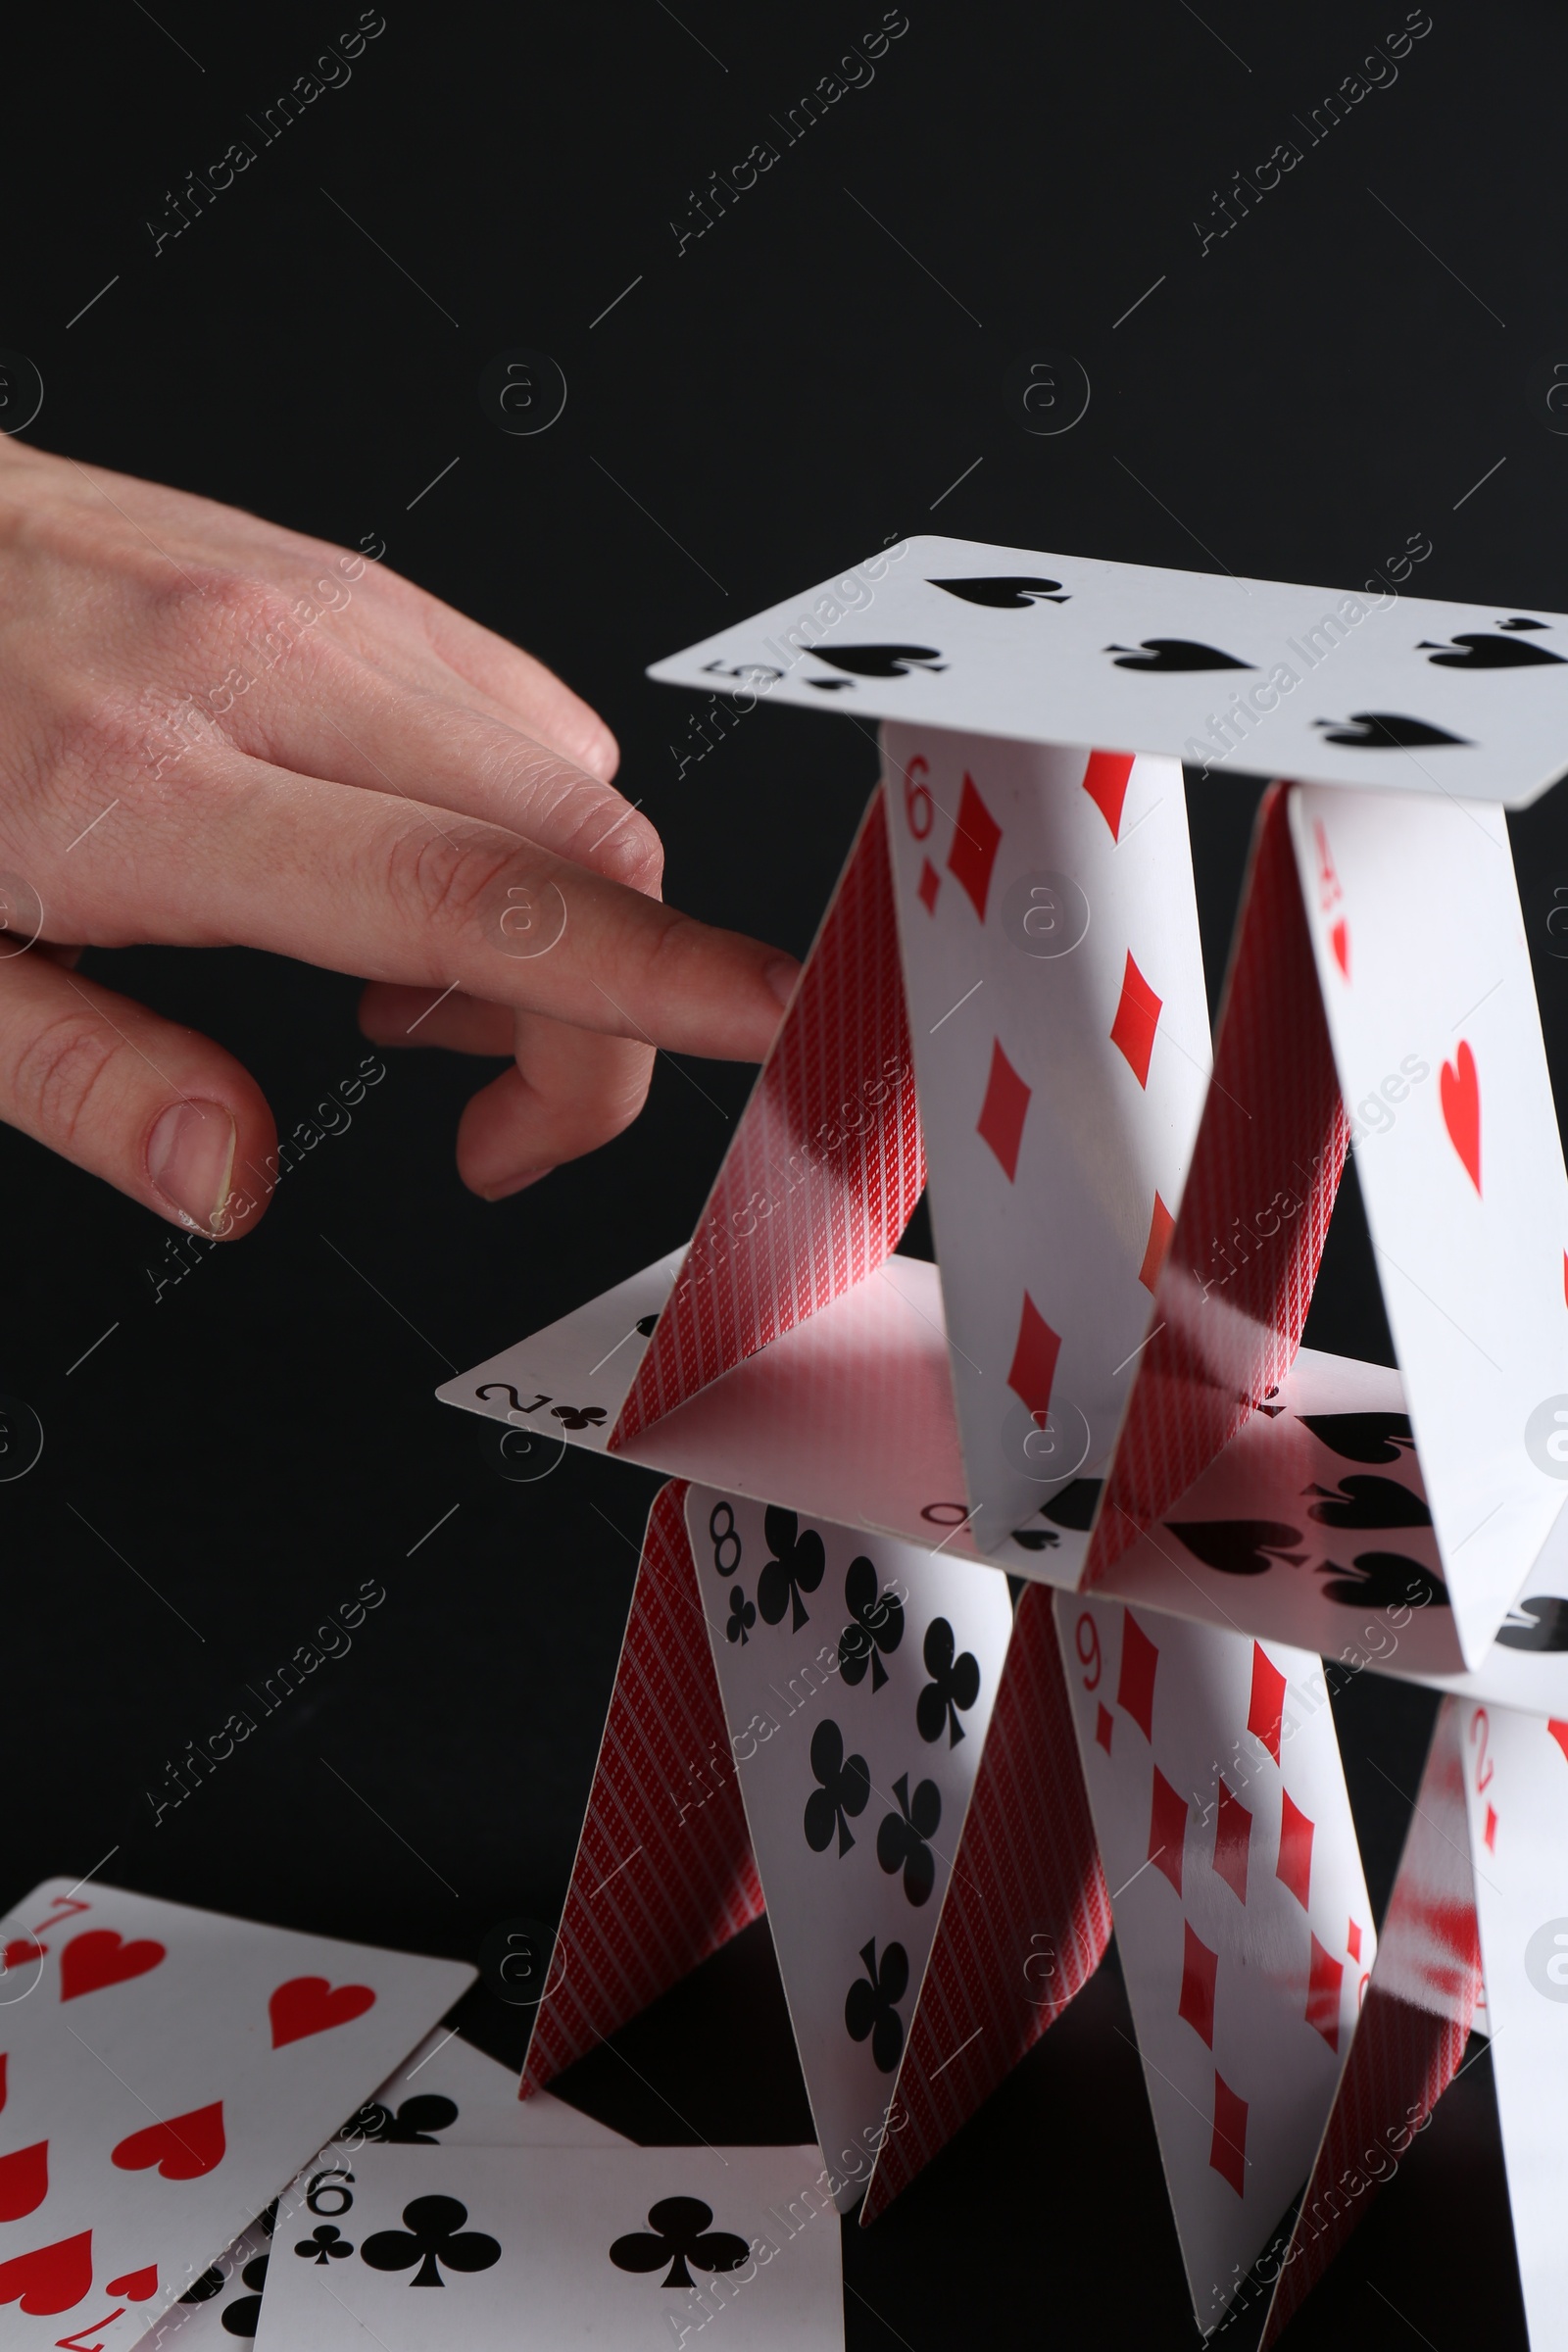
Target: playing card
(1430,1006)
(1417,2005)
(1061,1036)
(166,2069)
(1327,685)
(858,1678)
(571,1380)
(1517,1788)
(593,2246)
(1241,1918)
(449,2094)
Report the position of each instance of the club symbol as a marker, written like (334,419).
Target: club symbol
(871,2004)
(900,1841)
(208,2284)
(845,1789)
(878,1626)
(954,1683)
(797,1566)
(432,2234)
(679,2232)
(577,1416)
(742,1616)
(326,2243)
(243,2315)
(415,2122)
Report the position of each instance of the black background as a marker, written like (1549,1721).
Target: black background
(796,386)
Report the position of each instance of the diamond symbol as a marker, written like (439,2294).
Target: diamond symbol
(1227,2154)
(1137,1014)
(1323,1995)
(1105,782)
(1168,1829)
(1161,1225)
(1267,1706)
(1033,1360)
(974,848)
(1104,1725)
(1002,1112)
(1489,1832)
(1294,1867)
(1135,1684)
(1353,1942)
(1198,1966)
(1233,1835)
(930,883)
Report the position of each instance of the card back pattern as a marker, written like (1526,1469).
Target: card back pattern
(664,1873)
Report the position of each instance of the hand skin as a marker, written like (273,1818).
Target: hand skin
(217,732)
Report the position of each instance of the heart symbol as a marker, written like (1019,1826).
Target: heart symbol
(102,1957)
(310,2005)
(23,1948)
(1461,1110)
(51,2279)
(3,2054)
(183,2148)
(136,2285)
(23,2180)
(1340,941)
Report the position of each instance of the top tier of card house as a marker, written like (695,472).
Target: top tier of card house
(1366,687)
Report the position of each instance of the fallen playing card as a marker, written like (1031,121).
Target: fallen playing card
(623,2246)
(166,2071)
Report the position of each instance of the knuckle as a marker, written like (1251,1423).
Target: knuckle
(57,1075)
(446,880)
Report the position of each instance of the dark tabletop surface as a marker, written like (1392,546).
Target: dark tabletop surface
(772,398)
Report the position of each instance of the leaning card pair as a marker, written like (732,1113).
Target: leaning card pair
(164,2072)
(594,2246)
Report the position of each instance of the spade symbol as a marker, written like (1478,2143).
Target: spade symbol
(1361,1436)
(1363,1500)
(843,1792)
(870,2006)
(1175,653)
(243,2315)
(797,1566)
(881,660)
(1481,651)
(679,2231)
(954,1684)
(1006,594)
(414,2123)
(1548,1628)
(900,1841)
(1385,731)
(878,1626)
(1239,1546)
(646,1325)
(1383,1580)
(432,2234)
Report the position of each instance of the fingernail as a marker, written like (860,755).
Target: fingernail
(190,1158)
(781,975)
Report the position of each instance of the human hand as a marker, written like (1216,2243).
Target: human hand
(213,732)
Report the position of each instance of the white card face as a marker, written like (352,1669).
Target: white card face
(1241,1918)
(591,2246)
(1516,1787)
(1372,687)
(1431,1007)
(569,1381)
(849,1416)
(1060,1031)
(857,1677)
(449,2094)
(166,2071)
